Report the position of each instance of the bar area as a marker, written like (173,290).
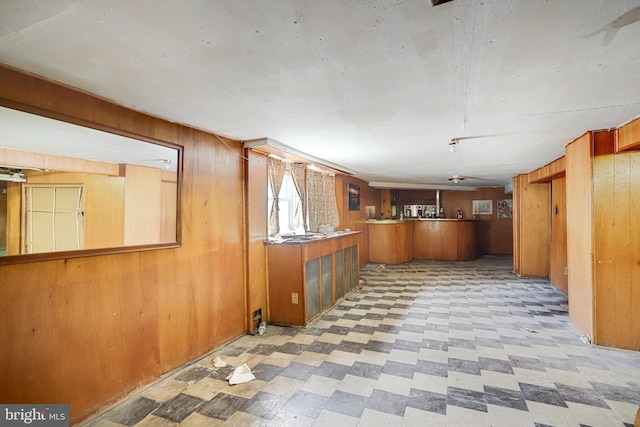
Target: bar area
(433,225)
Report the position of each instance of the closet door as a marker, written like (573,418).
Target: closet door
(54,218)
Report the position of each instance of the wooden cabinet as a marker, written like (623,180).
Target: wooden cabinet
(306,278)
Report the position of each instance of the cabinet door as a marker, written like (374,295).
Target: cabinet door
(347,270)
(339,274)
(354,266)
(312,287)
(327,281)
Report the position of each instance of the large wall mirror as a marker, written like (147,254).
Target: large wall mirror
(71,190)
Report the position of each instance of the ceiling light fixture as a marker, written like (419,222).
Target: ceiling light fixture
(437,2)
(453,144)
(167,163)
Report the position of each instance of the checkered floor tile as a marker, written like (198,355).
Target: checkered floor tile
(422,343)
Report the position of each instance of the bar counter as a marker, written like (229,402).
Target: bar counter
(399,241)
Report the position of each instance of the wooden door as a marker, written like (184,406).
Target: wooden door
(558,262)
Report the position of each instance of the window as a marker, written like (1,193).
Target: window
(289,207)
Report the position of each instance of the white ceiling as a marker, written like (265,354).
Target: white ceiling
(376,86)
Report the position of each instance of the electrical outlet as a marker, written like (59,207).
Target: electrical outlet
(566,270)
(294,297)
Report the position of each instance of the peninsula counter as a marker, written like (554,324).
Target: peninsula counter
(399,241)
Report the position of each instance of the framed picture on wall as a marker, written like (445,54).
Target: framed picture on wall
(505,208)
(371,212)
(354,197)
(482,207)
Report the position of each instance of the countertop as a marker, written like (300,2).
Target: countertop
(398,221)
(307,238)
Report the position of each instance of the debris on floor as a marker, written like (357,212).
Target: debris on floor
(586,339)
(242,374)
(218,362)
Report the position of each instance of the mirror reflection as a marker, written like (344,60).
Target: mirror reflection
(66,187)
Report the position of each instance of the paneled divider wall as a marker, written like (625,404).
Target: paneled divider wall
(87,331)
(593,255)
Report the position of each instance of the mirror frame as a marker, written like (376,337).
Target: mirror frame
(82,253)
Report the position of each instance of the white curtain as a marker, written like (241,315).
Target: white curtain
(321,196)
(297,174)
(276,174)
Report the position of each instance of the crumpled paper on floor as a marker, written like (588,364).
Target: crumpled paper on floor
(219,363)
(242,374)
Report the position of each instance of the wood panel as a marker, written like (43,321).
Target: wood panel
(617,253)
(445,240)
(87,331)
(168,210)
(495,235)
(628,136)
(516,182)
(3,215)
(579,179)
(547,173)
(257,230)
(286,276)
(142,205)
(385,204)
(532,214)
(391,242)
(356,220)
(558,262)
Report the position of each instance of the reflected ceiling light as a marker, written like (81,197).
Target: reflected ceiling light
(13,177)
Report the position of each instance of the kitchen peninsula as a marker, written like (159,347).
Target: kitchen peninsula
(399,241)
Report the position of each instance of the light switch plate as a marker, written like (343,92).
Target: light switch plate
(294,297)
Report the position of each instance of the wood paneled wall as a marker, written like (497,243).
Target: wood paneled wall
(3,214)
(142,205)
(616,204)
(257,230)
(87,331)
(628,136)
(552,176)
(494,235)
(579,176)
(532,227)
(357,220)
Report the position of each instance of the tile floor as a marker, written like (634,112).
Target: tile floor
(425,343)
